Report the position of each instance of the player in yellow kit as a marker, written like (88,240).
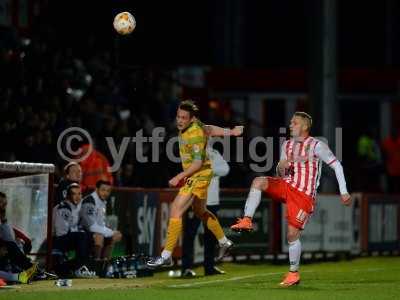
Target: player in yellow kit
(196,175)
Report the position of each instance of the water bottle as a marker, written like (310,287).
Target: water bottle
(110,271)
(63,283)
(133,263)
(124,266)
(116,267)
(130,268)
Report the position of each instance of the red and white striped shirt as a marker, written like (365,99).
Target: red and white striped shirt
(305,158)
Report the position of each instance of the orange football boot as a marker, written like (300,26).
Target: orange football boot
(2,282)
(243,224)
(291,278)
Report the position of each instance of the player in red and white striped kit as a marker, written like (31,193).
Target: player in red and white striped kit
(299,171)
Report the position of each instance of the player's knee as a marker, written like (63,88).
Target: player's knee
(175,214)
(98,240)
(175,211)
(260,183)
(117,236)
(292,236)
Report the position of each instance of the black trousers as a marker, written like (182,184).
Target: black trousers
(16,256)
(191,225)
(80,242)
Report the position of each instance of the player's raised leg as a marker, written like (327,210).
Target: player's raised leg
(258,185)
(180,204)
(211,222)
(293,238)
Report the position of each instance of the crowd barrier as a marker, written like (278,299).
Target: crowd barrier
(371,223)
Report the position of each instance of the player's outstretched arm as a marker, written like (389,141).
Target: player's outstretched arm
(212,130)
(322,151)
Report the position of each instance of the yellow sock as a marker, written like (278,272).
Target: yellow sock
(173,234)
(211,221)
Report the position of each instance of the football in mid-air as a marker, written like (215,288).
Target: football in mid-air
(124,23)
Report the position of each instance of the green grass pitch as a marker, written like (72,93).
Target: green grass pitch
(363,278)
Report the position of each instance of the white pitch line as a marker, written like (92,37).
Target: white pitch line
(224,280)
(264,274)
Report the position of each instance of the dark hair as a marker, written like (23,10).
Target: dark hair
(2,195)
(191,107)
(73,185)
(69,165)
(101,182)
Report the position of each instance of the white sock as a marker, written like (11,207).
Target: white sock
(294,255)
(166,254)
(252,202)
(223,240)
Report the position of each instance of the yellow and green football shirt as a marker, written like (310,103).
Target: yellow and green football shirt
(192,146)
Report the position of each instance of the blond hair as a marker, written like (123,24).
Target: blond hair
(306,117)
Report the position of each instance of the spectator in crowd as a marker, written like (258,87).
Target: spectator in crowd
(72,174)
(391,154)
(220,168)
(369,161)
(95,167)
(53,88)
(125,176)
(11,255)
(48,88)
(93,214)
(68,234)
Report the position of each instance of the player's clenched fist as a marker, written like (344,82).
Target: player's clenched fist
(346,199)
